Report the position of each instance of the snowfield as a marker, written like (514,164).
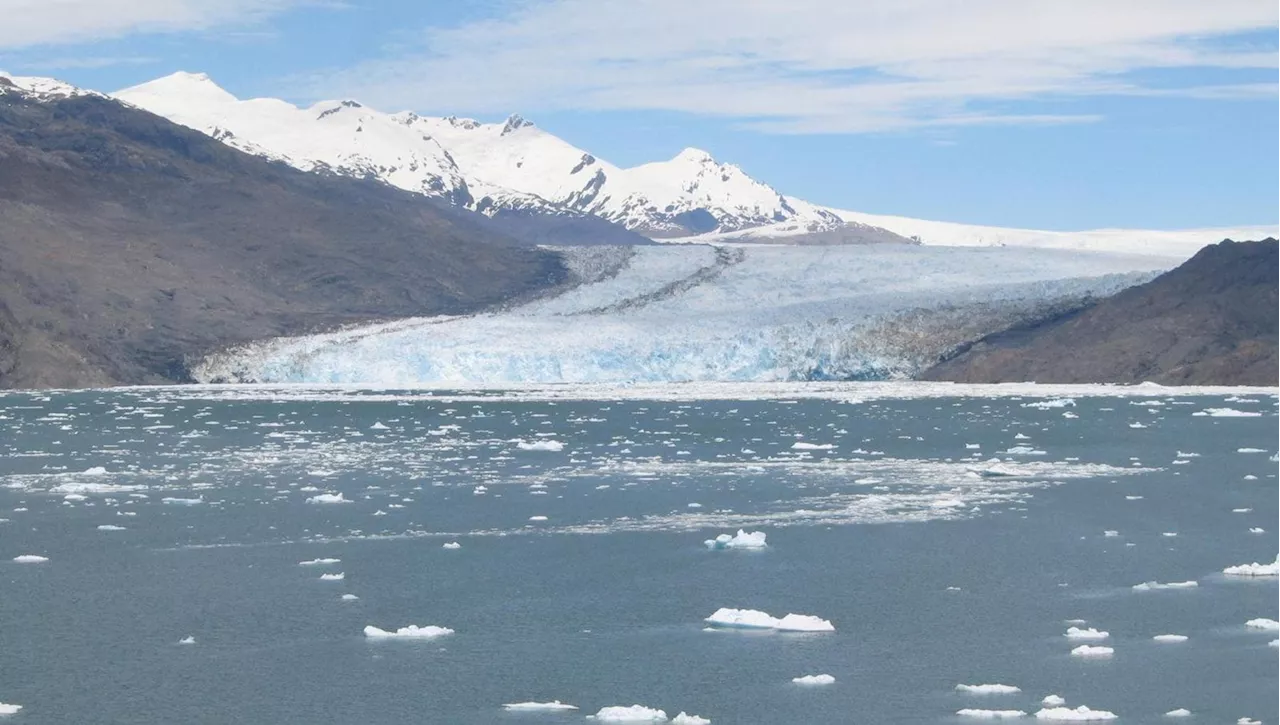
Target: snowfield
(699,313)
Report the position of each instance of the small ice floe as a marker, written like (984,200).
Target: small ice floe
(451,545)
(1257,530)
(7,709)
(1053,701)
(1088,650)
(1251,450)
(1248,721)
(553,706)
(1069,414)
(814,680)
(110,527)
(412,631)
(333,577)
(685,718)
(1079,714)
(378,425)
(1110,533)
(537,518)
(741,540)
(319,562)
(1241,511)
(753,619)
(1180,712)
(1264,624)
(1227,413)
(328,498)
(632,713)
(550,446)
(973,446)
(1157,586)
(1187,455)
(480,490)
(802,446)
(946,502)
(1086,634)
(1172,638)
(1054,403)
(1250,477)
(990,714)
(989,689)
(75,497)
(1021,437)
(1132,498)
(95,471)
(175,501)
(30,559)
(692,505)
(1169,534)
(1255,569)
(348,597)
(187,640)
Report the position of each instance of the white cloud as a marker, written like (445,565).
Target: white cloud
(816,66)
(28,23)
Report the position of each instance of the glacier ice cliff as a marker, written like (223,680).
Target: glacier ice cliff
(703,313)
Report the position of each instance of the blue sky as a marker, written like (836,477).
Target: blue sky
(1034,113)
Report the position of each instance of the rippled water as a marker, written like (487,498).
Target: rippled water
(885,515)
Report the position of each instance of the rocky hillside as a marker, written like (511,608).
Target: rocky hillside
(128,243)
(1211,321)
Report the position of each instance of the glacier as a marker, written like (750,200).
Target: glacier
(711,313)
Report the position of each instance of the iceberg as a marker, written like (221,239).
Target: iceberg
(451,545)
(348,597)
(633,713)
(989,689)
(1079,714)
(685,718)
(1180,712)
(1157,586)
(86,487)
(1090,633)
(1171,638)
(754,619)
(1053,700)
(1268,625)
(1086,650)
(333,577)
(1227,413)
(552,446)
(741,540)
(319,562)
(175,501)
(802,446)
(30,559)
(328,498)
(990,714)
(814,680)
(110,527)
(7,709)
(1255,569)
(553,706)
(412,631)
(187,640)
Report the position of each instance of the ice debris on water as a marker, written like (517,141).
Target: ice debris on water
(412,631)
(110,527)
(1180,712)
(1170,638)
(553,706)
(451,545)
(1255,569)
(1079,714)
(379,425)
(754,619)
(989,689)
(1157,586)
(741,540)
(1090,633)
(803,446)
(348,597)
(187,640)
(7,709)
(632,713)
(1086,650)
(550,446)
(30,559)
(319,562)
(328,498)
(685,718)
(814,680)
(1053,700)
(1268,625)
(990,714)
(333,577)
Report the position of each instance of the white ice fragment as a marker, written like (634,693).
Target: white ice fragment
(333,577)
(1079,714)
(633,713)
(1248,721)
(989,689)
(95,471)
(378,425)
(1180,712)
(1087,650)
(1156,586)
(1257,530)
(412,631)
(1086,634)
(319,562)
(175,501)
(451,545)
(30,559)
(1227,413)
(349,597)
(990,714)
(1241,511)
(685,718)
(753,619)
(110,527)
(537,518)
(1110,533)
(1251,450)
(741,540)
(553,706)
(551,446)
(7,709)
(1169,534)
(328,498)
(1255,569)
(1053,700)
(802,446)
(1170,638)
(814,680)
(1267,625)
(187,640)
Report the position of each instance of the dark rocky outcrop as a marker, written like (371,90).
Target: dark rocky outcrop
(1211,321)
(129,244)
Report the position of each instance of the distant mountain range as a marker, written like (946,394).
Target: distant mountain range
(516,169)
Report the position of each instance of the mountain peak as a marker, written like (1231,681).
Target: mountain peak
(515,121)
(181,84)
(696,156)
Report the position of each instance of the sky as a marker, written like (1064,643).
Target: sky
(1048,114)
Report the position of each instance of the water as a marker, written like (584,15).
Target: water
(602,603)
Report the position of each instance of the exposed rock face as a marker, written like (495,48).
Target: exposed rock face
(1212,320)
(128,244)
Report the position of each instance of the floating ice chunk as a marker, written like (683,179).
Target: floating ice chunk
(348,597)
(480,490)
(802,446)
(175,501)
(1187,455)
(1248,721)
(1053,700)
(1169,534)
(633,713)
(1021,437)
(553,706)
(1110,533)
(1241,511)
(1180,712)
(990,714)
(1132,498)
(537,518)
(7,709)
(1250,477)
(319,562)
(1170,638)
(1087,634)
(333,577)
(551,446)
(1088,650)
(1227,413)
(84,487)
(328,498)
(946,503)
(95,471)
(814,680)
(1136,425)
(1268,625)
(1156,586)
(451,545)
(1257,530)
(685,718)
(412,631)
(75,497)
(30,559)
(692,505)
(973,446)
(989,689)
(1254,569)
(753,619)
(1055,403)
(1069,414)
(379,426)
(1079,714)
(741,540)
(187,640)
(1251,450)
(110,527)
